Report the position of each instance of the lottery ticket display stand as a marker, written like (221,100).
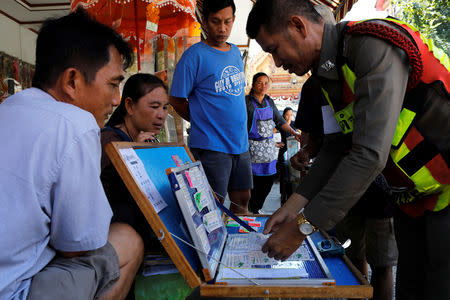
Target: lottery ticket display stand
(172,191)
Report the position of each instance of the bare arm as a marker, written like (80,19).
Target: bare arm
(310,146)
(181,106)
(286,127)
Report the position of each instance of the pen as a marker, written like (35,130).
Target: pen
(154,140)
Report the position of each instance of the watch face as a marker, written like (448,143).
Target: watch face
(306,228)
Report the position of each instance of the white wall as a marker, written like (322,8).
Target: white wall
(28,45)
(238,35)
(17,40)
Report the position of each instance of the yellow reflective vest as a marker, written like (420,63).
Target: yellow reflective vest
(412,157)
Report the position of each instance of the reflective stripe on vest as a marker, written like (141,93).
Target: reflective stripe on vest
(407,143)
(404,123)
(424,181)
(344,116)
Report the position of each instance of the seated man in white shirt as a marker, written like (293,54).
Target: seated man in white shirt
(56,241)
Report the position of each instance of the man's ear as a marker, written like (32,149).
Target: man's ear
(71,82)
(300,24)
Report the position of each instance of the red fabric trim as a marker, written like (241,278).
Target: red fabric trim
(418,208)
(347,94)
(395,176)
(413,138)
(439,169)
(433,69)
(437,166)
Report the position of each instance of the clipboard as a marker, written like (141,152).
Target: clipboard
(242,261)
(156,158)
(200,212)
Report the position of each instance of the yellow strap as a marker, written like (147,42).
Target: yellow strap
(424,182)
(350,77)
(325,93)
(443,199)
(345,116)
(404,121)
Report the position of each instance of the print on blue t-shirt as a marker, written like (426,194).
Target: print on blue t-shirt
(231,81)
(214,82)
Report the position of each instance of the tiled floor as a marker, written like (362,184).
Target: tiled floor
(272,202)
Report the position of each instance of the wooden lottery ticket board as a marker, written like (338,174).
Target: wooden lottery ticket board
(135,161)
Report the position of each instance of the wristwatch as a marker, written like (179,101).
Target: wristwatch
(305,227)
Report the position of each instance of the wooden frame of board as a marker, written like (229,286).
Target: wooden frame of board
(364,290)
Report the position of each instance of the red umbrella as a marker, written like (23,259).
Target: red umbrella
(140,21)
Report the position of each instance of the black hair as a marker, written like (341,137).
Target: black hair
(78,41)
(213,6)
(274,15)
(255,77)
(286,110)
(137,86)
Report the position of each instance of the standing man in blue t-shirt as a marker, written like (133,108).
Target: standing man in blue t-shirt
(211,75)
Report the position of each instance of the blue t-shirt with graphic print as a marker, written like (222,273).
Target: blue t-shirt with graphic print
(213,81)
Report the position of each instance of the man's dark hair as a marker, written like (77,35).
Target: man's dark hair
(75,41)
(137,86)
(274,15)
(213,6)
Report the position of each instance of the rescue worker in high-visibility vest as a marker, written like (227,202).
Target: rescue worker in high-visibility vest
(388,88)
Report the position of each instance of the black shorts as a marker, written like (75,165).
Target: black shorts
(225,172)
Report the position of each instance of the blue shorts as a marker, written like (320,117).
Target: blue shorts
(225,172)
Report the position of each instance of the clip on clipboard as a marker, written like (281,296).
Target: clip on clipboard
(234,217)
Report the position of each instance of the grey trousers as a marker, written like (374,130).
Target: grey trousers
(79,278)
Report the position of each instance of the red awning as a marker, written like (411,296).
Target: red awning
(140,21)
